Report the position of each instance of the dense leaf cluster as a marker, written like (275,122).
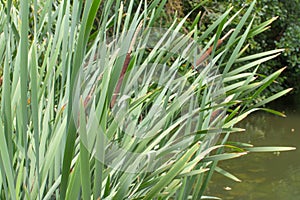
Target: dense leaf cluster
(283,33)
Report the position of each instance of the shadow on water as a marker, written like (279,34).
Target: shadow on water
(265,176)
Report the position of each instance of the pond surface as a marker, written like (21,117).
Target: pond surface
(265,176)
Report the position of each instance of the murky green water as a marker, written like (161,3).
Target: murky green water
(265,176)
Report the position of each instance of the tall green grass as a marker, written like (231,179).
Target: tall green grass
(62,136)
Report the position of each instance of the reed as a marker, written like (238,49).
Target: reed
(121,113)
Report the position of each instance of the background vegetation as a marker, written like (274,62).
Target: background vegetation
(282,33)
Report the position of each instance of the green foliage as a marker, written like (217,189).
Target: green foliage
(283,33)
(62,135)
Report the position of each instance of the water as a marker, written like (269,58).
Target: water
(265,176)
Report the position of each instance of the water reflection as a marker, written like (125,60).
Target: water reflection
(267,176)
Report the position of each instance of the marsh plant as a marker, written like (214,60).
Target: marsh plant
(128,111)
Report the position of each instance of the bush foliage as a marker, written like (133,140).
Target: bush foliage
(283,33)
